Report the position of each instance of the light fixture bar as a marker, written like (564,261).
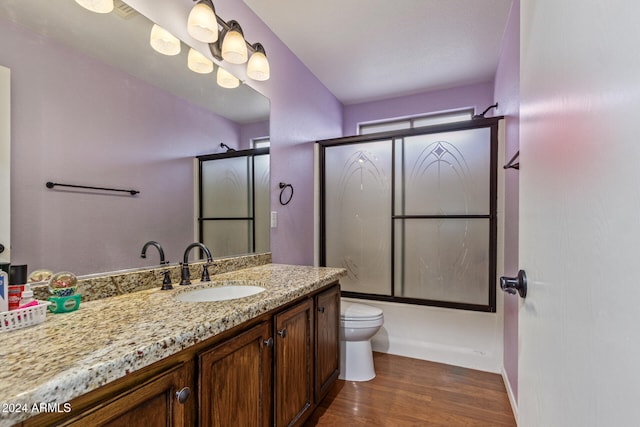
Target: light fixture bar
(259,67)
(216,47)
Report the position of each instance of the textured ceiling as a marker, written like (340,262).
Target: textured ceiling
(364,50)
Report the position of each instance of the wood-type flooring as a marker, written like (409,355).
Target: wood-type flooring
(412,392)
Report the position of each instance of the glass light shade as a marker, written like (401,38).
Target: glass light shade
(226,79)
(199,63)
(163,41)
(97,6)
(234,49)
(258,67)
(202,24)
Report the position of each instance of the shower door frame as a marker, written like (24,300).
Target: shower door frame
(392,137)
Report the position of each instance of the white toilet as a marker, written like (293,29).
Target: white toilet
(358,323)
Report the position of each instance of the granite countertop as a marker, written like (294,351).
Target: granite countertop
(73,353)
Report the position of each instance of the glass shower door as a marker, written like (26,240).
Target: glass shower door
(262,203)
(227,204)
(442,216)
(234,202)
(412,215)
(358,214)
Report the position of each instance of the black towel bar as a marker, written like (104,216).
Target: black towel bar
(57,184)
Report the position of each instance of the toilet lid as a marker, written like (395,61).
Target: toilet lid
(350,310)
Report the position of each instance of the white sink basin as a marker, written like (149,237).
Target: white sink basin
(220,293)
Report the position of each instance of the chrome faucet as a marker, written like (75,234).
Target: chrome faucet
(185,264)
(166,282)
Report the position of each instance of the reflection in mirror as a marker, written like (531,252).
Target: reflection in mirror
(93,104)
(234,201)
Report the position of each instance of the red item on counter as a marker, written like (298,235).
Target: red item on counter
(15,293)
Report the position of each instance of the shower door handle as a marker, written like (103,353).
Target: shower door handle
(518,284)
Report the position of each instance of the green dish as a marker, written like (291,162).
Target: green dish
(64,304)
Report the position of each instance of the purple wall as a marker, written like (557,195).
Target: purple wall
(250,131)
(478,96)
(507,93)
(75,120)
(302,111)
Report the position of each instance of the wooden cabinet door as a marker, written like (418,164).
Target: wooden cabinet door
(294,362)
(327,340)
(234,385)
(153,403)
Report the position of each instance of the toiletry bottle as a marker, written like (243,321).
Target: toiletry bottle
(15,292)
(27,296)
(4,291)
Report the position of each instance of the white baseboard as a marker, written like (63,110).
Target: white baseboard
(449,355)
(512,400)
(455,337)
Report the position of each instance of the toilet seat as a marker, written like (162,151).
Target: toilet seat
(354,312)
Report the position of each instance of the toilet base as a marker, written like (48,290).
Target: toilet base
(356,361)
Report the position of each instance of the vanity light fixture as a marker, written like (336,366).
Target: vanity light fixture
(163,41)
(229,43)
(199,63)
(226,79)
(202,23)
(258,66)
(97,6)
(234,48)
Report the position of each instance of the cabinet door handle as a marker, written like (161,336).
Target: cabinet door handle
(183,395)
(268,342)
(321,309)
(282,333)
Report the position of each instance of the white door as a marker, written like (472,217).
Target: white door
(579,333)
(5,163)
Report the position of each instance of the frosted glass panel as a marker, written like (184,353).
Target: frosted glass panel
(444,174)
(226,190)
(263,202)
(443,259)
(226,238)
(358,215)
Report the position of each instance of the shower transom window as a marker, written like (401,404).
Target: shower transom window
(411,214)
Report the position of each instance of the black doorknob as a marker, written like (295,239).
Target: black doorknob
(518,284)
(1,248)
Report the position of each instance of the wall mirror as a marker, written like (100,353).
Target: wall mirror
(93,104)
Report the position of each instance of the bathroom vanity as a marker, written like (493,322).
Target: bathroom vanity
(146,358)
